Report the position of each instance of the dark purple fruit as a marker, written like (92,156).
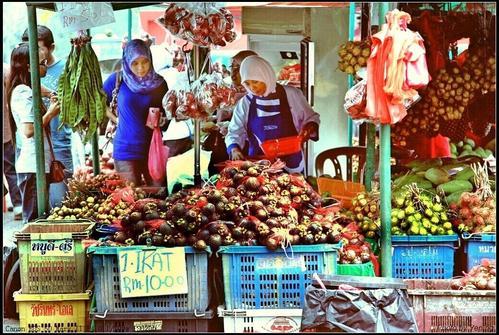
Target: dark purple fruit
(227,240)
(238,178)
(180,240)
(315,228)
(191,215)
(162,206)
(169,241)
(200,245)
(191,240)
(157,239)
(152,215)
(308,239)
(252,184)
(215,241)
(214,196)
(139,227)
(261,214)
(166,228)
(253,172)
(220,207)
(238,233)
(179,210)
(229,172)
(209,209)
(203,235)
(203,219)
(273,223)
(120,237)
(249,234)
(135,217)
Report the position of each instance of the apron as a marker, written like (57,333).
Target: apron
(268,119)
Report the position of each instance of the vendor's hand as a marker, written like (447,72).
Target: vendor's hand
(54,108)
(236,154)
(307,131)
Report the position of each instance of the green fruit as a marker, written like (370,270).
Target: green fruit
(437,207)
(414,230)
(453,148)
(469,142)
(422,231)
(464,174)
(395,231)
(454,197)
(450,232)
(399,202)
(428,212)
(426,224)
(409,210)
(455,186)
(488,153)
(443,217)
(411,219)
(401,215)
(433,229)
(437,176)
(418,216)
(394,220)
(447,225)
(434,219)
(440,231)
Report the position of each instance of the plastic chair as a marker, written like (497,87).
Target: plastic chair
(333,155)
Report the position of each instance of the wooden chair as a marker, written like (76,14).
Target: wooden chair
(333,155)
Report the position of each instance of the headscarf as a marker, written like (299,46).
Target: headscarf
(257,68)
(133,50)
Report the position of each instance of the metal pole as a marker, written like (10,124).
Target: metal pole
(351,35)
(386,204)
(197,124)
(385,183)
(129,24)
(41,181)
(95,144)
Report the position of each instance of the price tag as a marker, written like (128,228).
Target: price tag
(152,272)
(76,16)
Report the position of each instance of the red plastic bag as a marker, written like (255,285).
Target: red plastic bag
(158,156)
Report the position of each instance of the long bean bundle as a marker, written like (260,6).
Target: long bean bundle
(82,99)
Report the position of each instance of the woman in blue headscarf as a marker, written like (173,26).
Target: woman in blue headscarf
(140,88)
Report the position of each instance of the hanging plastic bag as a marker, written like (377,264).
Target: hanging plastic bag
(355,101)
(158,153)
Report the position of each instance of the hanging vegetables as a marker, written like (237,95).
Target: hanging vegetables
(201,24)
(83,102)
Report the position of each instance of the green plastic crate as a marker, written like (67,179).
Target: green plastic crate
(52,257)
(374,245)
(364,270)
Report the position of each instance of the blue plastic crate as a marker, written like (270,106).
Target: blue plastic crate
(423,257)
(107,285)
(256,278)
(477,247)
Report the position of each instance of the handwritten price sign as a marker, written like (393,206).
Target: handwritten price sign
(152,272)
(76,16)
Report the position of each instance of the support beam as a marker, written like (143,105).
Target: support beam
(386,201)
(370,156)
(351,36)
(129,24)
(197,122)
(41,181)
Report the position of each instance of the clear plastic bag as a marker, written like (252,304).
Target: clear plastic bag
(355,101)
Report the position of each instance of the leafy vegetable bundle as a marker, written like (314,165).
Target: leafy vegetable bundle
(83,102)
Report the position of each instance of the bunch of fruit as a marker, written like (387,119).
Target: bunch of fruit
(365,212)
(468,148)
(106,161)
(418,212)
(353,56)
(448,95)
(480,277)
(354,249)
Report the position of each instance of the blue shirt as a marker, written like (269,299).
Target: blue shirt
(132,138)
(61,139)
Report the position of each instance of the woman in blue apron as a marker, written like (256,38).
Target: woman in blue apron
(269,111)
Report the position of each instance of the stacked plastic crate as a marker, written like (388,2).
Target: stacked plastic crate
(265,290)
(111,312)
(53,296)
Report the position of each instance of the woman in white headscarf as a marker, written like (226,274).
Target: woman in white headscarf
(269,111)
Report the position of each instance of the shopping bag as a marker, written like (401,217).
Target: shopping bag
(158,156)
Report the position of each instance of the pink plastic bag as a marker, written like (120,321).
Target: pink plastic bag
(417,74)
(158,156)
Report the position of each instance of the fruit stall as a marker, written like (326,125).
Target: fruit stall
(238,252)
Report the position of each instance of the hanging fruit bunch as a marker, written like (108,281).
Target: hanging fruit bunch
(418,212)
(200,24)
(448,96)
(353,55)
(82,100)
(355,249)
(365,212)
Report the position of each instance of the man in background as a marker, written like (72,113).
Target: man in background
(61,138)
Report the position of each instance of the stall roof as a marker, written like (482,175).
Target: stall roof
(116,5)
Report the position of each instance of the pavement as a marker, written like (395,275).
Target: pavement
(10,226)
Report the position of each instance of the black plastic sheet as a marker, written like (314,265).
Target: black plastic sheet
(384,310)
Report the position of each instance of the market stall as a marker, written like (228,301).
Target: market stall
(245,245)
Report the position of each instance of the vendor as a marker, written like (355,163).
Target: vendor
(269,111)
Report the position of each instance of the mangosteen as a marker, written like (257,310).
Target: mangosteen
(200,245)
(191,227)
(157,239)
(180,240)
(229,172)
(252,184)
(261,214)
(166,228)
(179,210)
(249,234)
(227,240)
(203,234)
(238,178)
(230,207)
(125,220)
(308,239)
(241,189)
(253,171)
(271,243)
(315,228)
(223,230)
(230,192)
(135,217)
(181,224)
(162,206)
(191,215)
(191,240)
(214,196)
(169,241)
(220,207)
(320,238)
(238,233)
(145,238)
(139,227)
(246,223)
(120,237)
(151,215)
(208,209)
(246,165)
(215,241)
(273,223)
(203,219)
(150,206)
